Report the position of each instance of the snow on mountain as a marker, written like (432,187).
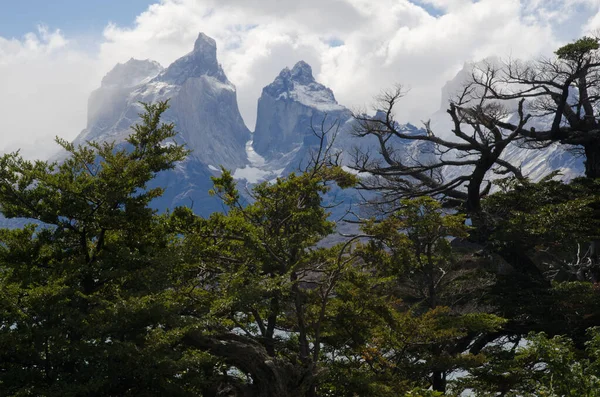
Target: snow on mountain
(131,73)
(258,169)
(106,104)
(299,85)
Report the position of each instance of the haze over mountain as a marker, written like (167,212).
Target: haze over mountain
(203,104)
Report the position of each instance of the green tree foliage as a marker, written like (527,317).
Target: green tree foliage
(578,50)
(549,216)
(401,307)
(106,297)
(541,366)
(81,311)
(261,280)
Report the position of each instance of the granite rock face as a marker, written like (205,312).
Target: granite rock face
(203,104)
(289,109)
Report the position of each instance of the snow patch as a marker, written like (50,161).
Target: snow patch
(155,90)
(218,85)
(350,170)
(314,96)
(259,169)
(251,174)
(255,159)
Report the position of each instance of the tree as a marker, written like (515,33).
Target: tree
(478,145)
(561,93)
(544,235)
(564,90)
(82,302)
(543,366)
(253,271)
(410,310)
(106,297)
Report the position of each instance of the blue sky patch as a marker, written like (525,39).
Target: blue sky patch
(335,42)
(431,10)
(73,17)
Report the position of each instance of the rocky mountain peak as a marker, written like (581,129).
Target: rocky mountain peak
(287,109)
(201,61)
(203,105)
(131,73)
(302,73)
(299,85)
(206,45)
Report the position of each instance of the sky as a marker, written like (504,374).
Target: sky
(73,17)
(53,54)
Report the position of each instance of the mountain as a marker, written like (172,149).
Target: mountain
(203,104)
(289,108)
(290,111)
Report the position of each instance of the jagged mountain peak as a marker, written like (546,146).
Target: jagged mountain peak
(205,44)
(302,73)
(380,115)
(299,85)
(287,110)
(203,105)
(131,73)
(202,61)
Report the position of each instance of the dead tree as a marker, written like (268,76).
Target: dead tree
(562,93)
(475,147)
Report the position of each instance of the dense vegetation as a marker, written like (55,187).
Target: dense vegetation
(446,289)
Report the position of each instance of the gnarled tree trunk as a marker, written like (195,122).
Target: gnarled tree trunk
(592,159)
(270,375)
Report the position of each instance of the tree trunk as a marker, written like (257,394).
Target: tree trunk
(439,381)
(522,263)
(474,192)
(592,159)
(271,376)
(473,204)
(592,171)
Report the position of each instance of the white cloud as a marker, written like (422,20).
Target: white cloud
(378,44)
(45,83)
